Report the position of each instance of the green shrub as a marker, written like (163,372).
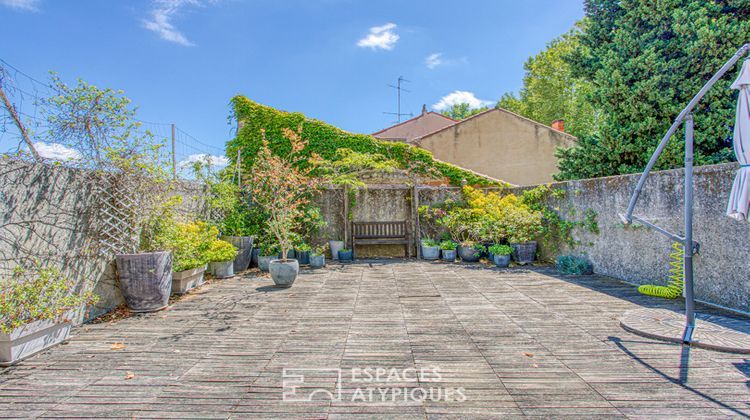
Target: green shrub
(448,245)
(37,294)
(303,247)
(573,264)
(498,249)
(427,242)
(189,243)
(221,251)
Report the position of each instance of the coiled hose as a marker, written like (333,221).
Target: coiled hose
(673,289)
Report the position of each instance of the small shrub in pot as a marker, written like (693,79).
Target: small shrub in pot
(220,255)
(430,249)
(346,254)
(500,254)
(303,253)
(448,249)
(318,257)
(470,251)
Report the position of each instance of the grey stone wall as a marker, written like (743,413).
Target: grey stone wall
(640,255)
(46,214)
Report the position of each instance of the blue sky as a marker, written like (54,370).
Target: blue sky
(182,60)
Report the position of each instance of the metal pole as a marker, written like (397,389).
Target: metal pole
(687,335)
(174,158)
(415,212)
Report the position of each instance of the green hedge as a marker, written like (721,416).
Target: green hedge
(324,139)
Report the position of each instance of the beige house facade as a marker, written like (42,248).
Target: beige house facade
(500,144)
(426,122)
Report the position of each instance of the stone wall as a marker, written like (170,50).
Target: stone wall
(640,255)
(47,215)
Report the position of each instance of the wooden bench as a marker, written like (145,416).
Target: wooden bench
(381,233)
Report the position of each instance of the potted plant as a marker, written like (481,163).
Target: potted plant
(470,251)
(303,253)
(525,225)
(37,307)
(221,256)
(282,186)
(236,229)
(501,255)
(448,249)
(346,254)
(266,254)
(430,249)
(318,257)
(335,246)
(189,243)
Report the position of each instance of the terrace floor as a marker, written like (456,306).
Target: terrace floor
(512,343)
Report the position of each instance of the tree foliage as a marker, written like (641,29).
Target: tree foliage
(551,90)
(646,59)
(462,111)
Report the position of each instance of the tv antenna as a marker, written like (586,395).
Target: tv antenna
(398,88)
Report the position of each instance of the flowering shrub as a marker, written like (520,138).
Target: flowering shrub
(37,294)
(283,186)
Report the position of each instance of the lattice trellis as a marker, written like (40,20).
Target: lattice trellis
(117,227)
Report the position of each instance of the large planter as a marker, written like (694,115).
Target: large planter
(244,245)
(524,253)
(32,338)
(284,273)
(449,255)
(346,255)
(430,252)
(469,253)
(145,280)
(264,261)
(182,281)
(501,261)
(335,247)
(317,261)
(254,257)
(222,269)
(303,257)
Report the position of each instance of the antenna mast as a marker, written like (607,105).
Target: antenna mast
(398,88)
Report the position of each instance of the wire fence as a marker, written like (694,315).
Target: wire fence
(26,112)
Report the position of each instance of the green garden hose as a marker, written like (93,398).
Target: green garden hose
(673,289)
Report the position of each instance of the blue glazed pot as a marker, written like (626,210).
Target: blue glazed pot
(317,261)
(449,255)
(501,261)
(469,254)
(346,255)
(430,252)
(303,257)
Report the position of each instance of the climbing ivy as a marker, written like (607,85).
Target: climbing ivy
(324,140)
(556,229)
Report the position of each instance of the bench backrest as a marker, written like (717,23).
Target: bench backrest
(365,230)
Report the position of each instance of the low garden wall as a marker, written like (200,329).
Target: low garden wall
(46,214)
(640,255)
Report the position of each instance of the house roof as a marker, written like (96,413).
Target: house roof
(480,114)
(414,122)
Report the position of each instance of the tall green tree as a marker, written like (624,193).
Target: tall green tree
(462,111)
(646,59)
(551,90)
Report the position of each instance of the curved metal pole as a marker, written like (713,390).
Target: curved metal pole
(687,335)
(627,218)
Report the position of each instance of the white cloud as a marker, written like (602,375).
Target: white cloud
(56,151)
(210,160)
(27,5)
(460,97)
(433,60)
(381,37)
(161,15)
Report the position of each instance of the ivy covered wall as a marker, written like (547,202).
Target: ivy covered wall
(324,139)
